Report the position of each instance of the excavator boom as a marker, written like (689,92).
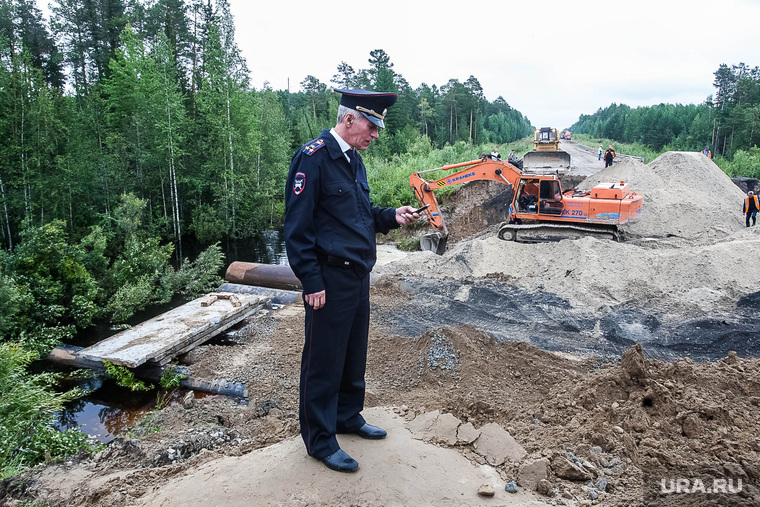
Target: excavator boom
(424,190)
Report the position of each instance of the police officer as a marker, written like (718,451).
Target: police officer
(330,226)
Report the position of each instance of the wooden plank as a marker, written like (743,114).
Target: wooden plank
(160,338)
(276,296)
(195,340)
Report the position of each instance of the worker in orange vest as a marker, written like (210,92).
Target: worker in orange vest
(608,156)
(751,207)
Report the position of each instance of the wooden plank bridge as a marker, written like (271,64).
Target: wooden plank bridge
(150,347)
(158,340)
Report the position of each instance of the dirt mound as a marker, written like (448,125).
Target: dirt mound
(585,432)
(641,422)
(685,195)
(610,431)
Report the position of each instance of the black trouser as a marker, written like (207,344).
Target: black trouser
(753,214)
(334,360)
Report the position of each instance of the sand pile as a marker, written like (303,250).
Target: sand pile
(600,273)
(685,194)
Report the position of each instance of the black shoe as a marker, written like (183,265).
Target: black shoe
(340,461)
(371,432)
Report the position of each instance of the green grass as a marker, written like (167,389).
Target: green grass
(29,404)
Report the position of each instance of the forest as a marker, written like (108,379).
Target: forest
(131,129)
(152,98)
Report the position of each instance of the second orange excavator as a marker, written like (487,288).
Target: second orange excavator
(539,209)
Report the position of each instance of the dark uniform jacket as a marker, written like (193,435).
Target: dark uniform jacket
(328,212)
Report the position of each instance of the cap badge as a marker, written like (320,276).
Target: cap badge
(371,112)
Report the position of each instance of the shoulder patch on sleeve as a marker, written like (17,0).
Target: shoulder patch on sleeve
(312,147)
(299,183)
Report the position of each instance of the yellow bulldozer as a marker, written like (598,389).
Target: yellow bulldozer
(546,155)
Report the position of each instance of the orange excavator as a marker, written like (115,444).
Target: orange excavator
(539,210)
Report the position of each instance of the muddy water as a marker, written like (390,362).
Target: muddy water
(107,410)
(551,323)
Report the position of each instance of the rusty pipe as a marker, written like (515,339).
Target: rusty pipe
(276,276)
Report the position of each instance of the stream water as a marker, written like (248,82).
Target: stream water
(107,410)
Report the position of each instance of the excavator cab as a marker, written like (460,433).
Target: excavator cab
(540,196)
(550,198)
(526,196)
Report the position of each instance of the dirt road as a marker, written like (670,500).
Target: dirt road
(583,160)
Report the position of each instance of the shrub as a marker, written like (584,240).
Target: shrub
(28,407)
(47,289)
(197,277)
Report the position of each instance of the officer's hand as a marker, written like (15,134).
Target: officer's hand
(316,300)
(405,215)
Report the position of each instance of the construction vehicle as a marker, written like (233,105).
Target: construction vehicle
(546,155)
(539,210)
(566,135)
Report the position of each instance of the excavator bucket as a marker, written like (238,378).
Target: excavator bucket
(546,161)
(435,242)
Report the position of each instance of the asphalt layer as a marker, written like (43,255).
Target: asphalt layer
(550,322)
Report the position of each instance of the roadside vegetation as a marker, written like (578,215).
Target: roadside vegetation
(745,163)
(52,287)
(633,149)
(28,407)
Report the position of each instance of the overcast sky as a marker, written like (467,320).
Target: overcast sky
(550,60)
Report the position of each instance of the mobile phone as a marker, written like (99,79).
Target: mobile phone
(420,210)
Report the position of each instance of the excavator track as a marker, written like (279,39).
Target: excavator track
(542,233)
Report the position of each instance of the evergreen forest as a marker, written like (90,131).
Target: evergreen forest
(152,98)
